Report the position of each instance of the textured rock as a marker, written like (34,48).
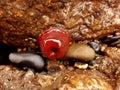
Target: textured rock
(21,22)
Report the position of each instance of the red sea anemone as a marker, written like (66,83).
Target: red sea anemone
(54,42)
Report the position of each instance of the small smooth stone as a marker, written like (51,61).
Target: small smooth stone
(81,52)
(95,46)
(27,59)
(81,65)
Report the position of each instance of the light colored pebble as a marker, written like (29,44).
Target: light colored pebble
(29,59)
(80,65)
(81,52)
(103,47)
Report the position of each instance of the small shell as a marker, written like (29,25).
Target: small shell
(27,59)
(81,52)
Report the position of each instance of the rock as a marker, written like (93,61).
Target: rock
(27,59)
(95,46)
(85,81)
(50,81)
(81,52)
(81,65)
(22,21)
(112,52)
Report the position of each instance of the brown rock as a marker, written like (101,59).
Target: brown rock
(22,21)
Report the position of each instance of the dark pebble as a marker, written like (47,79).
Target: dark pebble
(95,46)
(110,40)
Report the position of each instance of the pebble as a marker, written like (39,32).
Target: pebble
(81,52)
(27,59)
(111,40)
(81,65)
(95,46)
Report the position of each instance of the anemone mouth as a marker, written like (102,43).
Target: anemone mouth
(53,53)
(54,50)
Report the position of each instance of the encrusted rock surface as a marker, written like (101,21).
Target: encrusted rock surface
(85,20)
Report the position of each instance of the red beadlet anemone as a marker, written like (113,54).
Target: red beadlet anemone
(54,42)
